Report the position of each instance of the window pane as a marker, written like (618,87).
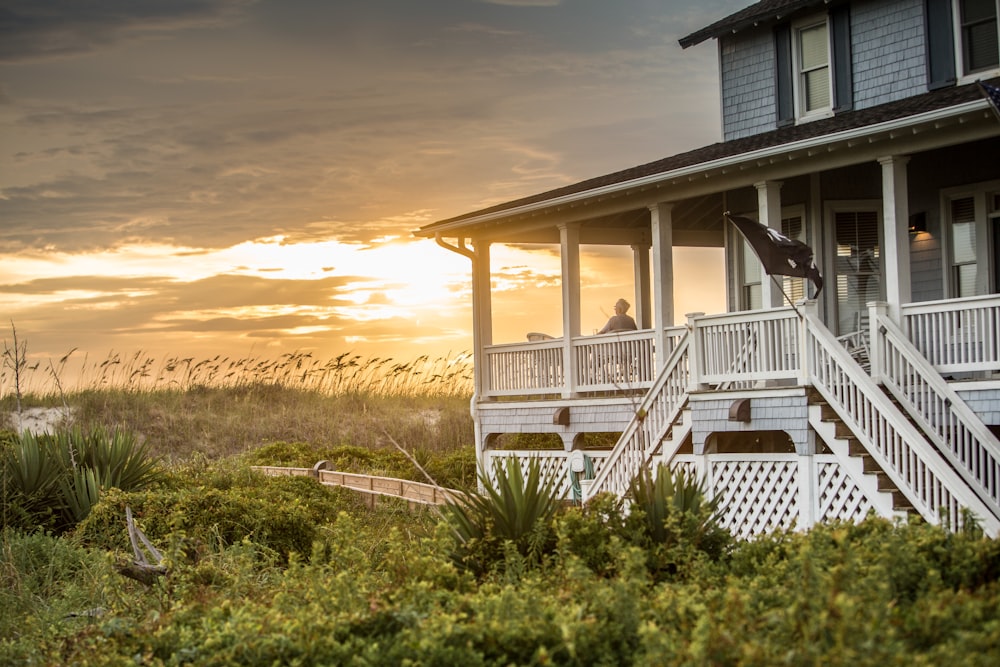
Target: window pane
(812,46)
(817,89)
(981,47)
(979,34)
(795,288)
(977,10)
(752,298)
(859,274)
(751,265)
(965,280)
(963,246)
(963,236)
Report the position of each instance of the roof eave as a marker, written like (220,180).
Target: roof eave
(702,168)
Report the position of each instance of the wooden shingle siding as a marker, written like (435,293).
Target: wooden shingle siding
(589,418)
(775,413)
(889,53)
(748,85)
(925,267)
(984,402)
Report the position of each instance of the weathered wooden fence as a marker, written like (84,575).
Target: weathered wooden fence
(372,486)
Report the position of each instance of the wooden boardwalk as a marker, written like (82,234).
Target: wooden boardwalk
(372,486)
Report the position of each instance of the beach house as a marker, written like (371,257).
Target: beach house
(861,128)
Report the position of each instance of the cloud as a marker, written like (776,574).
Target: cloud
(225,137)
(32,30)
(525,3)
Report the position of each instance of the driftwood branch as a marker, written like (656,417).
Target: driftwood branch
(141,569)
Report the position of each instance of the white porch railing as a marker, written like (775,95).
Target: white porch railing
(523,369)
(956,335)
(608,362)
(736,350)
(952,426)
(623,360)
(654,416)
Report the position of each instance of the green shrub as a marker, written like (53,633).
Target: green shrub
(44,577)
(594,533)
(208,519)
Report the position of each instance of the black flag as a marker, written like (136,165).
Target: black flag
(779,254)
(992,93)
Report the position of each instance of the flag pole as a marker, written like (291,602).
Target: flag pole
(787,298)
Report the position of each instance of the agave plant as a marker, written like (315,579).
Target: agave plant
(117,457)
(514,510)
(30,481)
(49,476)
(674,504)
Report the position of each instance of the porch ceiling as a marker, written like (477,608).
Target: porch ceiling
(697,221)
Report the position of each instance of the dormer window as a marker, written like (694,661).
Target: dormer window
(812,61)
(977,21)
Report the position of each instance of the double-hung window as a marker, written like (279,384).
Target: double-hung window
(977,33)
(812,65)
(963,40)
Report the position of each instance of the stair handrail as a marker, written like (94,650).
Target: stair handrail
(947,420)
(917,469)
(654,415)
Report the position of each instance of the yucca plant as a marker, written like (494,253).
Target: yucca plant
(117,457)
(673,508)
(30,482)
(54,480)
(80,491)
(514,510)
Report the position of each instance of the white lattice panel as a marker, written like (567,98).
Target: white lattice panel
(757,497)
(838,496)
(553,465)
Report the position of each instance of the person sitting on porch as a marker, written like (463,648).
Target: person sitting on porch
(620,321)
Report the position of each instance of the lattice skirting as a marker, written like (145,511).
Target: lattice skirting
(758,493)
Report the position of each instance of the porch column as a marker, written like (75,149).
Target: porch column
(643,298)
(662,231)
(769,215)
(569,251)
(482,313)
(895,224)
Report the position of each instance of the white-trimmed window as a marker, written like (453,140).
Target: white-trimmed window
(977,36)
(811,53)
(973,216)
(813,66)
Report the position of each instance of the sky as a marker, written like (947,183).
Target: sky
(243,177)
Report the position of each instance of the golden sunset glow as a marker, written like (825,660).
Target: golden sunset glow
(206,180)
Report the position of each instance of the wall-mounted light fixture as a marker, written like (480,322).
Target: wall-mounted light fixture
(918,222)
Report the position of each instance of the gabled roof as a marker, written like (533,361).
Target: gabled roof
(841,123)
(763,11)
